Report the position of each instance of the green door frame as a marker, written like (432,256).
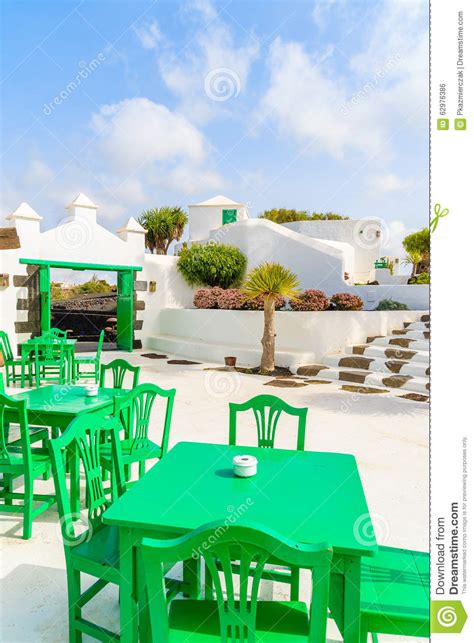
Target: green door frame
(125,294)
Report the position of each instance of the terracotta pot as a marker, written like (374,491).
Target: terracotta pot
(230,361)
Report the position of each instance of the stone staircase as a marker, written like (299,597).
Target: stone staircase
(398,362)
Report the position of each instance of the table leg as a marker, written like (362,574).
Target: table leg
(352,600)
(128,605)
(192,578)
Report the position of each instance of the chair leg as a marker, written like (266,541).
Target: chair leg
(141,469)
(47,473)
(295,584)
(74,593)
(8,487)
(364,634)
(28,509)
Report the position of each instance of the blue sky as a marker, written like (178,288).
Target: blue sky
(303,104)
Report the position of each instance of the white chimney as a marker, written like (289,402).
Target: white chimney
(134,234)
(82,208)
(27,224)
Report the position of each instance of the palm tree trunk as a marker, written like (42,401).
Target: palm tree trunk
(267,364)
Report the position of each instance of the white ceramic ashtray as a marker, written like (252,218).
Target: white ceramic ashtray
(245,466)
(92,390)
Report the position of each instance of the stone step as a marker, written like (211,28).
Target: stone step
(416,325)
(392,352)
(376,364)
(368,378)
(403,342)
(412,334)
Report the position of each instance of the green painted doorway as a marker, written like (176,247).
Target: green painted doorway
(125,294)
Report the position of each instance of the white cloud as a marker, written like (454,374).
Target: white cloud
(137,132)
(382,184)
(320,12)
(306,104)
(360,107)
(149,34)
(189,179)
(189,73)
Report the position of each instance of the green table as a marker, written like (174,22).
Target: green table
(56,406)
(304,495)
(26,348)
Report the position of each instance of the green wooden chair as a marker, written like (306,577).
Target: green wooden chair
(134,411)
(11,362)
(19,459)
(90,547)
(50,360)
(118,368)
(88,367)
(13,436)
(395,594)
(57,332)
(234,616)
(267,410)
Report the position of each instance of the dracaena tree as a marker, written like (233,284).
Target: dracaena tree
(270,280)
(163,226)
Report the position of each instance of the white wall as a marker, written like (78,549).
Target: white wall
(415,296)
(171,291)
(302,337)
(204,218)
(361,234)
(317,264)
(79,239)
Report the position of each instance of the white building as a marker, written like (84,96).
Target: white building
(212,214)
(158,300)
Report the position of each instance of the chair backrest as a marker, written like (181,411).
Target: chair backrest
(5,346)
(267,410)
(18,407)
(134,409)
(49,347)
(99,345)
(254,546)
(57,332)
(119,369)
(84,437)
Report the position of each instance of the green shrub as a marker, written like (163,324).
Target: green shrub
(283,215)
(390,304)
(422,278)
(213,264)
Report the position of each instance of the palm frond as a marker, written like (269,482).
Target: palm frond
(271,279)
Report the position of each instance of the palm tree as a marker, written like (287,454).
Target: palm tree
(163,226)
(270,280)
(412,258)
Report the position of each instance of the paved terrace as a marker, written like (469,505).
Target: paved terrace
(388,436)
